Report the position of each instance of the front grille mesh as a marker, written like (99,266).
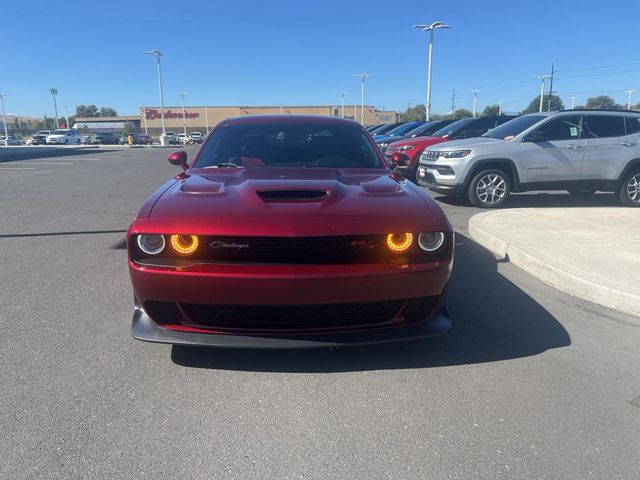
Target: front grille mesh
(291,316)
(430,156)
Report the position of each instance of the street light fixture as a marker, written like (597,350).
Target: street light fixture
(430,28)
(4,120)
(184,115)
(158,54)
(54,92)
(342,94)
(362,76)
(543,78)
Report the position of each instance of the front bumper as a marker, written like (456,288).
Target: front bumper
(427,179)
(145,329)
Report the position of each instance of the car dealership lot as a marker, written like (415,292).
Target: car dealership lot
(530,383)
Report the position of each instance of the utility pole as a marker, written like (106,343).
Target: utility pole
(500,108)
(629,92)
(144,119)
(475,100)
(4,120)
(453,105)
(430,28)
(184,114)
(573,102)
(54,92)
(362,77)
(551,80)
(342,94)
(543,78)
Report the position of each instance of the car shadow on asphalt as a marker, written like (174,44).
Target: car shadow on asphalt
(31,153)
(493,320)
(545,200)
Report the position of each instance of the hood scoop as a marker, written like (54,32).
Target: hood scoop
(291,195)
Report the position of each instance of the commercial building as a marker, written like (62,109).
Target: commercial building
(204,118)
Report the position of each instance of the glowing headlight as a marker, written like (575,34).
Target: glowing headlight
(399,242)
(455,154)
(151,244)
(430,241)
(383,145)
(184,244)
(404,148)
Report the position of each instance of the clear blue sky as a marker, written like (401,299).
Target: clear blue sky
(300,52)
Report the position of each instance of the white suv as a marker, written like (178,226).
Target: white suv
(581,151)
(64,136)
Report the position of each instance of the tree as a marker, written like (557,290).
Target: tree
(108,112)
(129,127)
(491,110)
(87,111)
(412,114)
(603,101)
(534,105)
(48,123)
(462,113)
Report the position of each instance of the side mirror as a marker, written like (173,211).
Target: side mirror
(537,136)
(179,159)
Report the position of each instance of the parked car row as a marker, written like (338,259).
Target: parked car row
(487,158)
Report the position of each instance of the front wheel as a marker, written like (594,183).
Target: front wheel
(489,189)
(630,189)
(66,142)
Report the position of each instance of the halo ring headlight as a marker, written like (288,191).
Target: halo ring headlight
(399,242)
(151,244)
(430,241)
(184,244)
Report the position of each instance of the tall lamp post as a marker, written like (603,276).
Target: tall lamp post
(543,78)
(475,102)
(66,113)
(54,92)
(362,77)
(430,28)
(342,94)
(184,114)
(158,54)
(4,120)
(629,92)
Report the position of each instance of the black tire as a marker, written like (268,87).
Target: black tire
(66,142)
(489,188)
(630,189)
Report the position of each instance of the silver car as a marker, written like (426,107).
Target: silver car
(582,151)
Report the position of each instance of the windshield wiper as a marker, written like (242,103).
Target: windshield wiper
(224,165)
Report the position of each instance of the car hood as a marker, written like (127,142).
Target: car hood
(420,141)
(469,143)
(57,135)
(260,201)
(387,139)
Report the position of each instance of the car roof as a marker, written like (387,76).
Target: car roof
(276,119)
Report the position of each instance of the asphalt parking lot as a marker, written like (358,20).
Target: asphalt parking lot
(530,383)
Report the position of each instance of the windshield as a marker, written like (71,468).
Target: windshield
(295,145)
(514,127)
(59,132)
(453,127)
(402,129)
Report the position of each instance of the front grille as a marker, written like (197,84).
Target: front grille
(284,317)
(300,250)
(430,156)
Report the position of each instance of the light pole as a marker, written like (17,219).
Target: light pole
(4,120)
(342,94)
(629,98)
(66,113)
(54,92)
(362,76)
(184,114)
(573,102)
(158,54)
(430,28)
(543,78)
(475,101)
(206,118)
(500,108)
(144,119)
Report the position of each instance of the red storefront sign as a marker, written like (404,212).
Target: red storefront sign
(153,114)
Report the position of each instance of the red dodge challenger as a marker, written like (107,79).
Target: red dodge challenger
(288,232)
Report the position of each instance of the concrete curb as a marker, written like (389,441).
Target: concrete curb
(554,274)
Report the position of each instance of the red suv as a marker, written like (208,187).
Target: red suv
(406,153)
